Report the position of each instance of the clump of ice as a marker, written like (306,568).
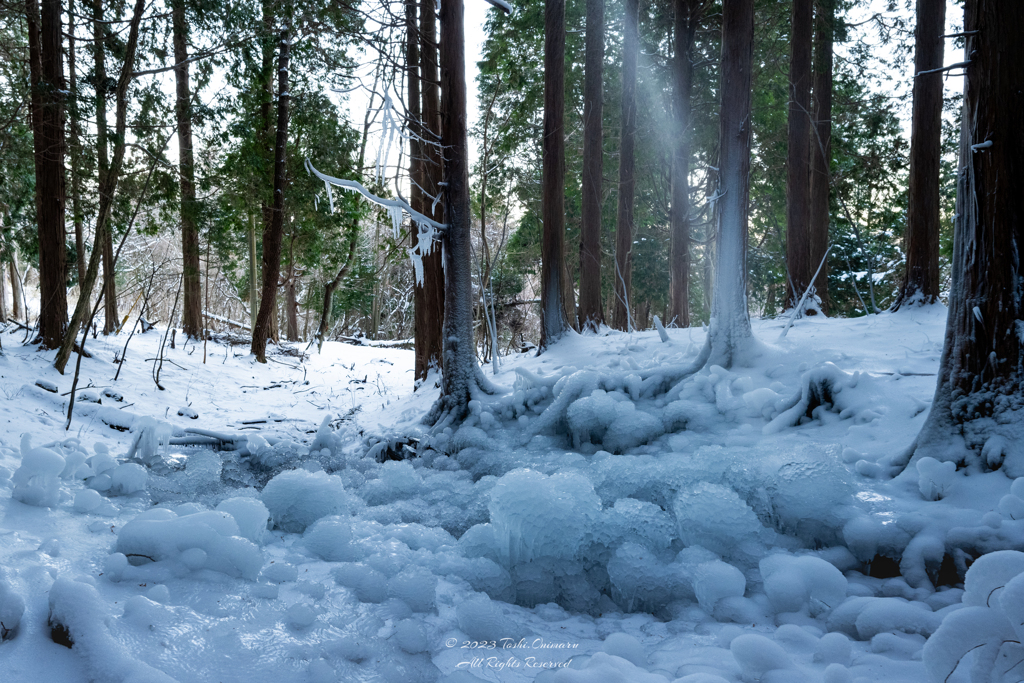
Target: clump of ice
(250,514)
(330,538)
(149,437)
(368,585)
(128,478)
(37,481)
(715,517)
(758,655)
(795,584)
(809,496)
(481,618)
(298,498)
(537,516)
(203,540)
(416,587)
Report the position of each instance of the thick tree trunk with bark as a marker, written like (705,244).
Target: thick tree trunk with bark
(687,16)
(46,57)
(591,314)
(192,309)
(821,145)
(798,177)
(272,237)
(430,304)
(461,373)
(107,188)
(978,410)
(552,317)
(627,180)
(729,335)
(104,241)
(921,281)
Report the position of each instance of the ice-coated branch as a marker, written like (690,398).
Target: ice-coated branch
(429,229)
(389,204)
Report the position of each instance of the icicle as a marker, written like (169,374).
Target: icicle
(330,195)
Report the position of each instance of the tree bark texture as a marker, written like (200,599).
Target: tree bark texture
(460,366)
(729,332)
(921,281)
(430,307)
(75,146)
(272,237)
(979,397)
(192,308)
(821,145)
(687,15)
(107,189)
(46,56)
(591,314)
(798,155)
(552,319)
(101,241)
(627,179)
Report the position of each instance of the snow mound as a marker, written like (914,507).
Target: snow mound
(76,607)
(298,498)
(795,584)
(203,540)
(12,607)
(37,481)
(330,539)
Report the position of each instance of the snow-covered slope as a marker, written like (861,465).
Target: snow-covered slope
(588,522)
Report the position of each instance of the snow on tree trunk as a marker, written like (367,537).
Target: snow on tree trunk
(553,322)
(977,413)
(921,281)
(729,335)
(590,310)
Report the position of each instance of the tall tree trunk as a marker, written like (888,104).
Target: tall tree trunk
(272,237)
(687,16)
(107,189)
(75,132)
(552,318)
(590,310)
(921,281)
(46,58)
(17,295)
(3,297)
(460,368)
(798,188)
(99,26)
(192,309)
(977,402)
(627,180)
(325,310)
(821,145)
(430,308)
(729,334)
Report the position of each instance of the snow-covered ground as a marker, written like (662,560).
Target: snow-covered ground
(587,523)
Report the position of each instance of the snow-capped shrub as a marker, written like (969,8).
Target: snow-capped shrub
(807,583)
(203,540)
(37,481)
(298,498)
(537,516)
(990,627)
